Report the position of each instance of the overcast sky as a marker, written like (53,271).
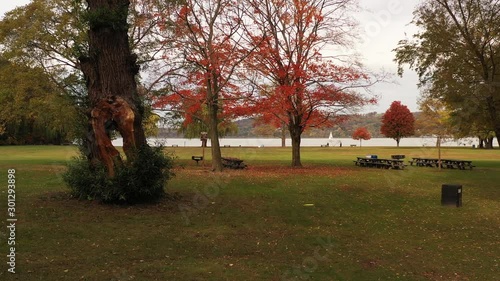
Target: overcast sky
(382,24)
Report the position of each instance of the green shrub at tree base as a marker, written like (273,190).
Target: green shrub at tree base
(141,180)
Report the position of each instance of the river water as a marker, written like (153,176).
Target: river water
(311,142)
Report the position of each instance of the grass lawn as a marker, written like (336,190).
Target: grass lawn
(329,220)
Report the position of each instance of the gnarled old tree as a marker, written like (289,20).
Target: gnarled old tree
(110,69)
(68,38)
(72,40)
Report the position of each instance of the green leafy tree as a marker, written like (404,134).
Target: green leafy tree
(52,35)
(33,110)
(434,118)
(47,34)
(456,54)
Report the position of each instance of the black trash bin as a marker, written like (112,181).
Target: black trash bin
(451,195)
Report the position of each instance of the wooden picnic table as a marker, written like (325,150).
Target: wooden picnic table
(445,163)
(380,163)
(424,162)
(233,163)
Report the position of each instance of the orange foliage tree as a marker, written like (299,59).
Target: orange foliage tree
(361,134)
(303,88)
(210,49)
(398,122)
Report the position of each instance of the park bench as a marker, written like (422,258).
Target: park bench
(197,158)
(398,156)
(233,163)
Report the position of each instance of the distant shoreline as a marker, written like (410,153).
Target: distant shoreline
(311,142)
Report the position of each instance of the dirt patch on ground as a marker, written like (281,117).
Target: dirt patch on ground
(270,171)
(311,170)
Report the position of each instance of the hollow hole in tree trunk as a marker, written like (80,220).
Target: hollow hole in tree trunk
(114,135)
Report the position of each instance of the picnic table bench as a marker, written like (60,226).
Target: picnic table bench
(445,163)
(397,164)
(233,163)
(398,156)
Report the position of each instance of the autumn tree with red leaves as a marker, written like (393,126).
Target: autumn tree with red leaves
(210,47)
(398,122)
(361,134)
(302,87)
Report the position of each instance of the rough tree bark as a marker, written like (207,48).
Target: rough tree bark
(295,125)
(283,134)
(295,135)
(493,105)
(213,111)
(110,69)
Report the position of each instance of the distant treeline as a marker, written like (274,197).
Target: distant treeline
(248,129)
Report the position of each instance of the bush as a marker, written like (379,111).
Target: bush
(142,180)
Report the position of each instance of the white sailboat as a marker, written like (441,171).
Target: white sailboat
(330,139)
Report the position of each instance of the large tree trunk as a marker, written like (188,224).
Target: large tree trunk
(110,69)
(497,134)
(438,143)
(213,111)
(215,145)
(489,142)
(295,134)
(283,135)
(493,105)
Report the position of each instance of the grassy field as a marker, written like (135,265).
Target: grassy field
(329,220)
